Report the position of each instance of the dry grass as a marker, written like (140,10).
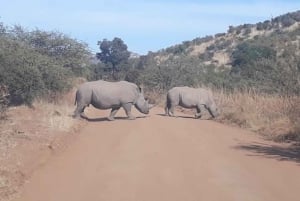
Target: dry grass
(56,117)
(27,133)
(156,97)
(275,117)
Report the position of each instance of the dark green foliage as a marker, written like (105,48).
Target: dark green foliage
(220,35)
(247,31)
(263,25)
(180,71)
(287,21)
(25,83)
(167,74)
(55,78)
(114,55)
(247,53)
(99,71)
(206,56)
(133,75)
(295,16)
(178,49)
(17,71)
(211,47)
(220,45)
(258,66)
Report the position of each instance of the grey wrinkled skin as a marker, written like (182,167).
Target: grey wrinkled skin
(110,95)
(188,97)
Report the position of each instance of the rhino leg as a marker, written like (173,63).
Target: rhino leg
(83,115)
(79,112)
(198,114)
(166,111)
(167,106)
(76,114)
(113,113)
(127,108)
(171,111)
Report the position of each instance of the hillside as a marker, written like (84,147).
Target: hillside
(262,56)
(283,31)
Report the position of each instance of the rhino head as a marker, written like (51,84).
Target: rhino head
(213,109)
(143,105)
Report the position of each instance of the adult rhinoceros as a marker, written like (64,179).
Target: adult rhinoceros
(110,95)
(188,97)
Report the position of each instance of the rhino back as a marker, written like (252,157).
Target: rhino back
(108,94)
(189,97)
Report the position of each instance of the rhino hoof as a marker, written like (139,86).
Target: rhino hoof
(110,118)
(131,118)
(198,116)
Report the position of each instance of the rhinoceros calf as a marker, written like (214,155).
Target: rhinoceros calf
(110,95)
(188,97)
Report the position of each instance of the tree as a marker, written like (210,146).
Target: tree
(113,54)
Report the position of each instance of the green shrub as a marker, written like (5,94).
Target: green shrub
(24,83)
(38,63)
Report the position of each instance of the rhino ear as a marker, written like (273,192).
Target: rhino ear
(141,89)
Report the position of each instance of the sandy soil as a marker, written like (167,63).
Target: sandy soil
(163,158)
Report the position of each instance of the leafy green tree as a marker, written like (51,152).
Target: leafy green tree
(114,54)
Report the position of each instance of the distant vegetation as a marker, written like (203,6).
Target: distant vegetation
(38,63)
(114,55)
(254,70)
(263,58)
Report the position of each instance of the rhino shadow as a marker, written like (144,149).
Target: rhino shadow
(99,119)
(289,153)
(185,117)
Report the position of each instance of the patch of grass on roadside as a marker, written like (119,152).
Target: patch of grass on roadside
(157,98)
(56,117)
(276,117)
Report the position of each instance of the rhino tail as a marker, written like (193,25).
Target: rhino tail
(167,105)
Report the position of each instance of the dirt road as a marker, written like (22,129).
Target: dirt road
(160,158)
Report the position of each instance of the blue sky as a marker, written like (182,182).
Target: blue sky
(143,25)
